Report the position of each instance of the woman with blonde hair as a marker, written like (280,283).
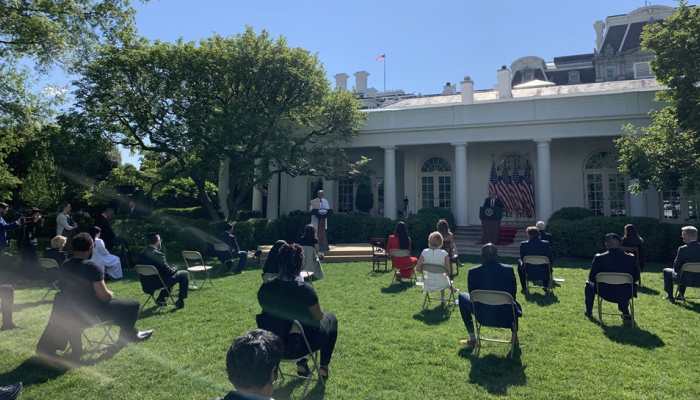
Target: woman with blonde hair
(56,251)
(435,255)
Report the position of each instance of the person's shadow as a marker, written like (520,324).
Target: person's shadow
(647,290)
(541,299)
(286,391)
(32,371)
(494,373)
(433,316)
(692,306)
(397,287)
(634,336)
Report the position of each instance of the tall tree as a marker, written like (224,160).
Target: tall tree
(248,98)
(44,33)
(666,154)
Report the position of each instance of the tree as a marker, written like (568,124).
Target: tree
(46,33)
(249,99)
(666,154)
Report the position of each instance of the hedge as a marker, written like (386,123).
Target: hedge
(584,237)
(571,214)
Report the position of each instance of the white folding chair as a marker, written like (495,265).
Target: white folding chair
(436,279)
(613,279)
(401,253)
(689,271)
(493,298)
(194,262)
(49,265)
(539,261)
(150,273)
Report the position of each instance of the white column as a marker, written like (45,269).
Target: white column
(272,190)
(544,180)
(637,202)
(257,199)
(390,182)
(461,207)
(329,192)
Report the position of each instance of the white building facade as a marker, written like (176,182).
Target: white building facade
(439,151)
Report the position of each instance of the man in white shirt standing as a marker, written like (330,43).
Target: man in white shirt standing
(320,208)
(64,222)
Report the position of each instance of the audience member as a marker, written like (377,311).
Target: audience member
(632,239)
(133,211)
(435,255)
(613,260)
(110,264)
(490,275)
(11,392)
(271,267)
(103,221)
(534,246)
(544,235)
(5,226)
(687,253)
(152,255)
(84,300)
(448,244)
(253,363)
(56,252)
(312,260)
(232,249)
(400,240)
(285,299)
(64,222)
(29,240)
(7,301)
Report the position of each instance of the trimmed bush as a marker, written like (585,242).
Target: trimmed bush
(571,214)
(584,237)
(420,225)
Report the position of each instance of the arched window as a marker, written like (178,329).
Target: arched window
(436,183)
(606,187)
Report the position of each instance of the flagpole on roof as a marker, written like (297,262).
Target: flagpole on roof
(384,72)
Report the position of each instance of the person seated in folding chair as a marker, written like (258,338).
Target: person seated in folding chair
(312,257)
(400,240)
(285,299)
(252,364)
(56,252)
(271,267)
(613,260)
(534,246)
(448,244)
(109,263)
(227,249)
(490,275)
(542,230)
(83,301)
(152,255)
(687,253)
(435,255)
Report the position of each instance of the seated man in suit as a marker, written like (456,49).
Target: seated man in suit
(252,363)
(544,235)
(152,255)
(231,249)
(613,260)
(534,246)
(689,252)
(490,275)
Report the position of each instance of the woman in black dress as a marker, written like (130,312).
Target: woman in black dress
(632,239)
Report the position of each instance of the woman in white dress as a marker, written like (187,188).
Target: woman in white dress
(435,255)
(108,263)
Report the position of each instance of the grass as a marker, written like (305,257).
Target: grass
(387,348)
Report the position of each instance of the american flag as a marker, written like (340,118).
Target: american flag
(514,189)
(381,57)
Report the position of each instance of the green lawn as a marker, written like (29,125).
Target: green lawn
(386,348)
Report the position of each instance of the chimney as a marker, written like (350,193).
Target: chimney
(448,89)
(341,81)
(361,81)
(467,91)
(599,27)
(504,82)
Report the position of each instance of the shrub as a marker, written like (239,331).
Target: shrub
(420,225)
(584,237)
(363,198)
(571,214)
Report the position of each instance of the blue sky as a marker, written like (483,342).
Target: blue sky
(427,43)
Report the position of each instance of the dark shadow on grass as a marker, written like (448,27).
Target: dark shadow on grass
(496,374)
(151,311)
(690,305)
(315,392)
(433,316)
(31,304)
(634,336)
(397,288)
(541,299)
(32,371)
(648,290)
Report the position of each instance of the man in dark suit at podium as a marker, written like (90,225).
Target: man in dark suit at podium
(491,213)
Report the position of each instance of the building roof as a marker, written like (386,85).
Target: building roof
(596,88)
